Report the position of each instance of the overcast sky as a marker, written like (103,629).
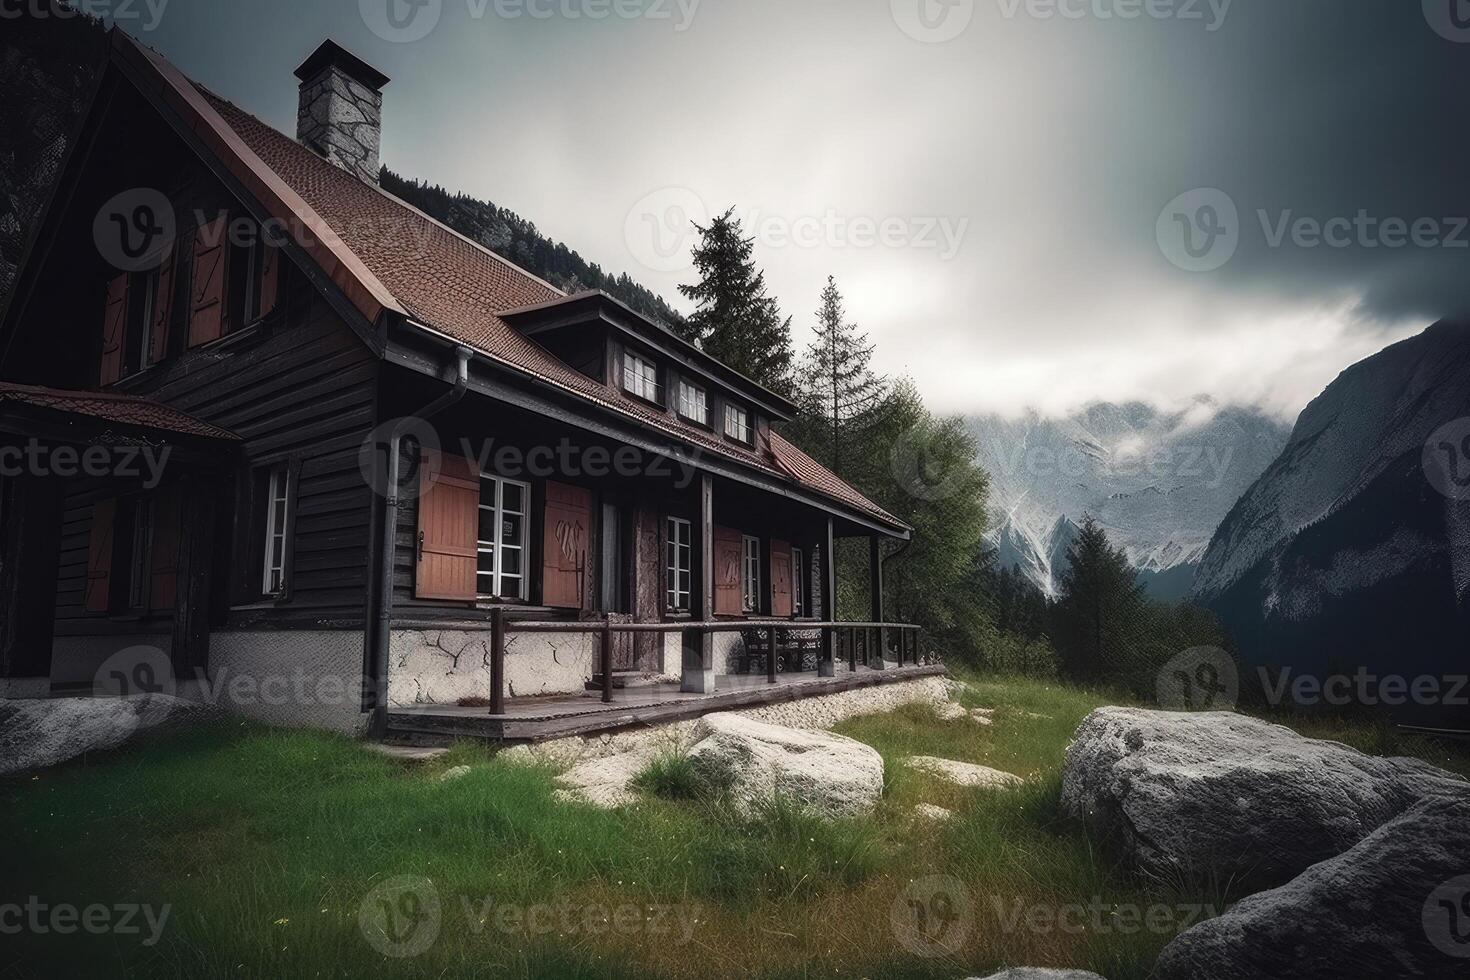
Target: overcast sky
(1001,187)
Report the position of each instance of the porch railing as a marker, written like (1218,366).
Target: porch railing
(870,638)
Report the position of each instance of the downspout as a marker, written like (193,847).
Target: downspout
(389,550)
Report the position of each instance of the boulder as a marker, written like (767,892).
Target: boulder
(949,710)
(35,734)
(963,773)
(1397,904)
(928,811)
(754,761)
(605,781)
(1223,796)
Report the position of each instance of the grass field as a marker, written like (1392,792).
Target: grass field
(265,853)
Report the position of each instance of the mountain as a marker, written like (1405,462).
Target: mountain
(1346,553)
(1158,482)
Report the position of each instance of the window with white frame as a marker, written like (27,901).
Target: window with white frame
(693,404)
(737,423)
(680,555)
(640,376)
(798,586)
(500,572)
(277,504)
(752,578)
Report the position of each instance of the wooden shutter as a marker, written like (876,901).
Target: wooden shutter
(163,307)
(449,520)
(114,330)
(781,607)
(167,527)
(729,548)
(565,531)
(270,277)
(207,316)
(99,556)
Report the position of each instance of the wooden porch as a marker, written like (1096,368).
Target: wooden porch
(541,718)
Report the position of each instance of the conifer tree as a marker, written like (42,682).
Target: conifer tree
(1102,615)
(735,320)
(838,386)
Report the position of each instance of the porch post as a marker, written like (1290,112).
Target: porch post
(190,646)
(698,674)
(827,665)
(875,579)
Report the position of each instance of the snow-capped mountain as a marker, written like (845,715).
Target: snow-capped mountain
(1158,482)
(1353,548)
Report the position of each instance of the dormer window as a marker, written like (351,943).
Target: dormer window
(737,423)
(640,377)
(693,404)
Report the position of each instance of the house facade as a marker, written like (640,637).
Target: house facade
(273,436)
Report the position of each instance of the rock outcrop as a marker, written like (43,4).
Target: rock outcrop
(1227,797)
(1397,904)
(41,733)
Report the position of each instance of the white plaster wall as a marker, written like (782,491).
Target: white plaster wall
(446,666)
(303,678)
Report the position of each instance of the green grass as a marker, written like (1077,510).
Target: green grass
(267,847)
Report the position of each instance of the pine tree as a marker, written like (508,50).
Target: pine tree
(838,385)
(735,320)
(1101,614)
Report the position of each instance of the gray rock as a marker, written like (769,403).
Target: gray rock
(1041,973)
(1225,796)
(755,761)
(963,773)
(1392,906)
(35,734)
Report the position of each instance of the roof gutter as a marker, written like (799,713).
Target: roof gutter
(383,598)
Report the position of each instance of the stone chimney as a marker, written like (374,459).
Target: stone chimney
(341,110)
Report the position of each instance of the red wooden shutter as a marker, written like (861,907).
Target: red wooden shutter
(163,306)
(780,579)
(565,532)
(114,329)
(449,520)
(99,556)
(167,513)
(729,548)
(207,317)
(270,277)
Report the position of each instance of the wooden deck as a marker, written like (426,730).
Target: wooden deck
(538,719)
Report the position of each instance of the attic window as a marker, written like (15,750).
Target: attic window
(640,377)
(737,424)
(693,404)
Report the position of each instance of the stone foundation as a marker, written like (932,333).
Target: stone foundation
(449,666)
(291,677)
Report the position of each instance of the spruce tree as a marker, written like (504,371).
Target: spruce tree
(1101,615)
(735,320)
(838,385)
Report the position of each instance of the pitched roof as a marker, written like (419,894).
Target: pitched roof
(387,255)
(122,409)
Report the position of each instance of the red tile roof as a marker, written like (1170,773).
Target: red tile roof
(388,255)
(122,409)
